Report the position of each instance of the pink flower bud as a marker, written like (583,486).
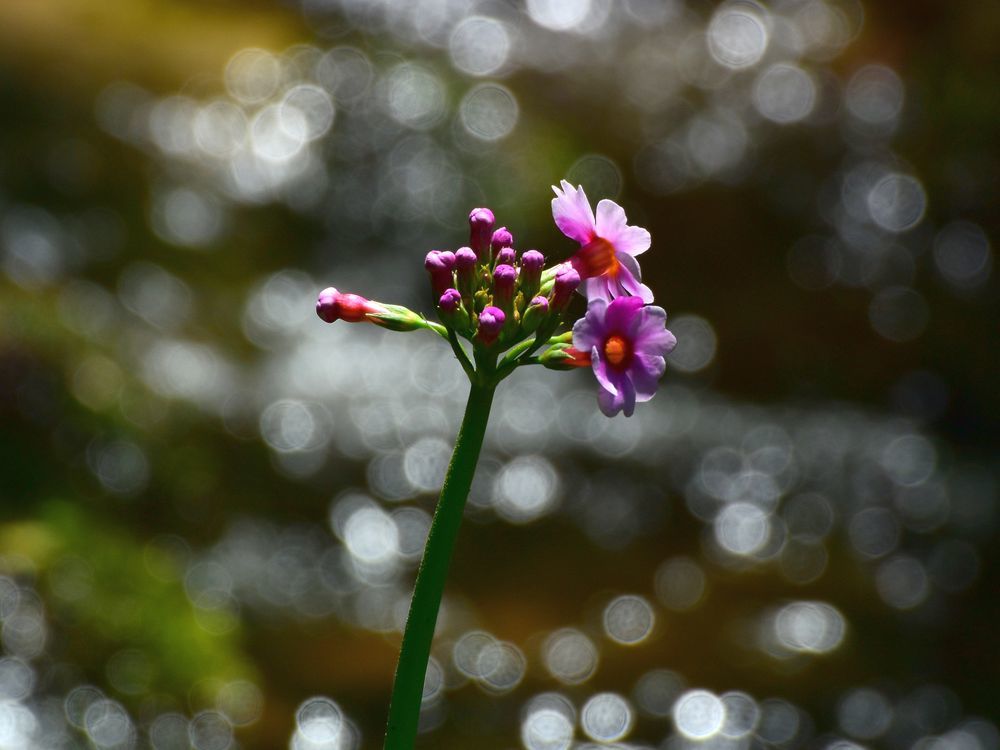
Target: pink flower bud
(532,263)
(535,313)
(450,301)
(465,270)
(491,322)
(326,304)
(439,264)
(331,305)
(506,256)
(501,239)
(565,283)
(504,279)
(481,222)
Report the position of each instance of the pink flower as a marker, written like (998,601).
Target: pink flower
(627,342)
(608,246)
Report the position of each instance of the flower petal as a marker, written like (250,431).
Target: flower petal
(631,240)
(651,336)
(628,278)
(628,391)
(572,213)
(608,379)
(612,225)
(620,314)
(588,331)
(596,289)
(645,373)
(610,219)
(610,404)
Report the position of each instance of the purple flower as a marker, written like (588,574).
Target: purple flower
(608,246)
(627,342)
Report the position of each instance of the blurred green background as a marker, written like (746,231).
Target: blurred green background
(213,504)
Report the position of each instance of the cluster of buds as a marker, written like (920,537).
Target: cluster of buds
(494,296)
(508,303)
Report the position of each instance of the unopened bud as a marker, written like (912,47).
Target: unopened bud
(504,279)
(465,270)
(397,318)
(532,263)
(501,239)
(481,222)
(439,264)
(331,305)
(506,256)
(537,311)
(326,304)
(450,301)
(566,282)
(564,357)
(451,311)
(491,322)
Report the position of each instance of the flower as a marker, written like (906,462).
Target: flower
(608,246)
(627,342)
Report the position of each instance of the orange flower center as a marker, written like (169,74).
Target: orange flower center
(596,258)
(615,350)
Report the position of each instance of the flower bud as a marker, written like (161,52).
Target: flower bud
(564,357)
(532,263)
(450,301)
(331,305)
(566,282)
(505,256)
(326,304)
(535,314)
(481,222)
(504,279)
(439,264)
(501,239)
(451,311)
(396,318)
(465,270)
(491,322)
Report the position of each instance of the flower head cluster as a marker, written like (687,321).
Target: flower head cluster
(489,293)
(510,306)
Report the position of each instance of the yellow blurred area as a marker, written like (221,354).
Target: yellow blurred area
(157,43)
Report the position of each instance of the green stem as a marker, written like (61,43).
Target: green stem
(408,687)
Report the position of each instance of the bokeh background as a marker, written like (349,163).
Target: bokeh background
(213,504)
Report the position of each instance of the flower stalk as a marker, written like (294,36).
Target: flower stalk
(408,686)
